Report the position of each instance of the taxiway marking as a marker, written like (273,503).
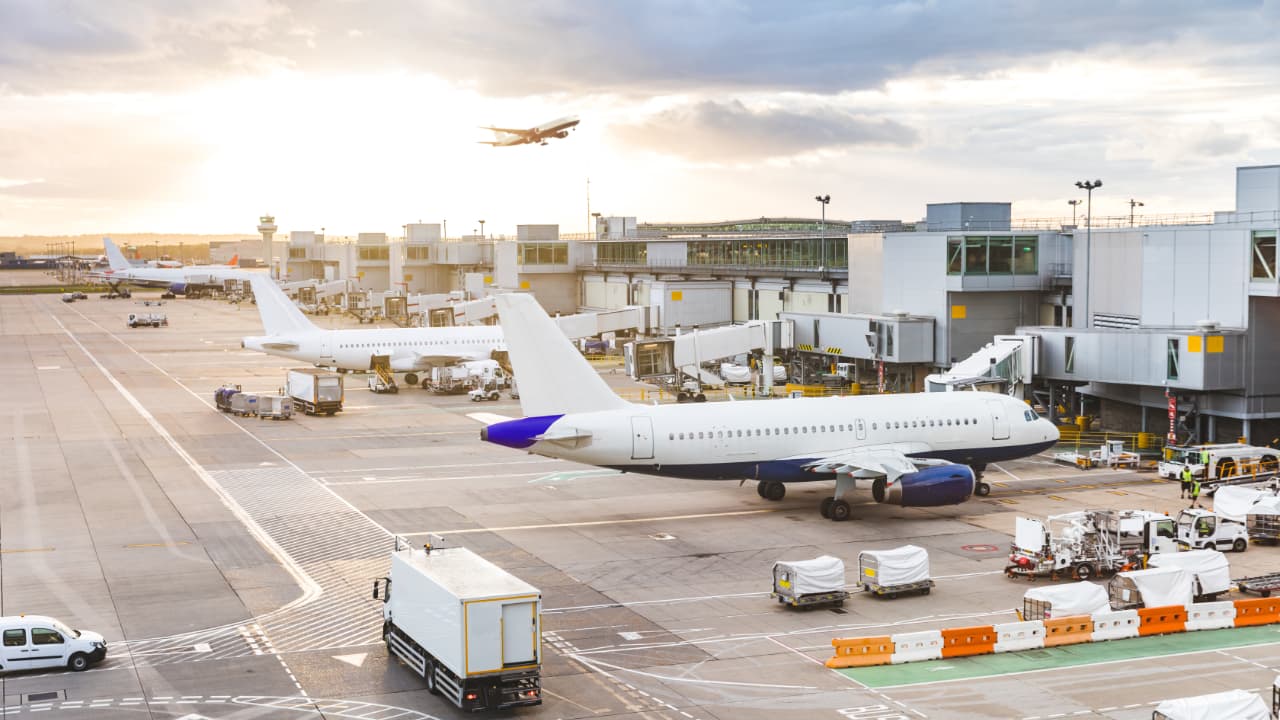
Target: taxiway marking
(590,523)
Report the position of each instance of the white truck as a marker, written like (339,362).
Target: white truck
(147,320)
(1200,529)
(33,642)
(470,629)
(1086,543)
(1227,462)
(315,391)
(461,378)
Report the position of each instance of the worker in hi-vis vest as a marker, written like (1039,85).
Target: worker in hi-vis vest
(1195,491)
(1186,481)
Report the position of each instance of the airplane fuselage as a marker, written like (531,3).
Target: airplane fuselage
(773,440)
(410,349)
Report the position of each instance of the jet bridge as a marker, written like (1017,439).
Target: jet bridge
(663,359)
(1005,365)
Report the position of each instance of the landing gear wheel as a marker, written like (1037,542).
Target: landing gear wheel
(1239,545)
(430,676)
(771,490)
(1084,571)
(411,379)
(982,489)
(824,507)
(840,510)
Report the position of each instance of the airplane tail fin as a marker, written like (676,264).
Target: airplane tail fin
(115,258)
(280,316)
(235,261)
(554,377)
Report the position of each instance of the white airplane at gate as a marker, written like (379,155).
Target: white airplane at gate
(178,279)
(411,350)
(916,450)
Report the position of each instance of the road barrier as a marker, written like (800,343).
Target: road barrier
(1036,634)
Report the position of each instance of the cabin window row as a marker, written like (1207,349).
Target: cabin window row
(815,429)
(407,343)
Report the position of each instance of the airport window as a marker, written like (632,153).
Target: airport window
(873,426)
(45,636)
(622,253)
(297,253)
(1025,252)
(13,638)
(975,255)
(375,252)
(1171,361)
(1000,255)
(955,255)
(1264,254)
(1070,352)
(543,253)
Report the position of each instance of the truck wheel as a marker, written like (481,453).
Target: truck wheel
(1084,571)
(1239,545)
(78,662)
(411,378)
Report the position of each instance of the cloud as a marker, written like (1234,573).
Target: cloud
(719,132)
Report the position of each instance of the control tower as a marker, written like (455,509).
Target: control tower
(267,226)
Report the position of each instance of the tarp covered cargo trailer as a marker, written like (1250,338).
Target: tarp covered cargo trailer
(897,570)
(1056,601)
(1154,587)
(1210,568)
(1234,704)
(809,582)
(1233,503)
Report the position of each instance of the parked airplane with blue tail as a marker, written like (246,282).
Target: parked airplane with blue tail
(914,450)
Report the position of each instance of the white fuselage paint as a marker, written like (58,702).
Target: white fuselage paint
(409,348)
(165,277)
(963,427)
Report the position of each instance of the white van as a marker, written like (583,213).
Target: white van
(31,642)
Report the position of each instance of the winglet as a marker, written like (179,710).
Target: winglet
(554,377)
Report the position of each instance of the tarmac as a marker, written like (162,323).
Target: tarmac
(229,561)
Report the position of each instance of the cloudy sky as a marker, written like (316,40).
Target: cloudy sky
(362,115)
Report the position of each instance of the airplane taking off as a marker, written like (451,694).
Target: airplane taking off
(914,450)
(408,350)
(178,280)
(506,137)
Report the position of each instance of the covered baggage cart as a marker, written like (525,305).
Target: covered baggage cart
(1262,518)
(1234,704)
(275,407)
(805,583)
(1210,569)
(1154,587)
(244,404)
(895,571)
(1233,503)
(1057,601)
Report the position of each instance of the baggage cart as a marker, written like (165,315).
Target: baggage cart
(222,397)
(809,583)
(1155,587)
(1056,601)
(275,407)
(244,404)
(1261,585)
(896,571)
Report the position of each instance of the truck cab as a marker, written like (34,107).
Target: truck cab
(35,642)
(1200,529)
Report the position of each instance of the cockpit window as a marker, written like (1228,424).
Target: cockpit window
(1030,415)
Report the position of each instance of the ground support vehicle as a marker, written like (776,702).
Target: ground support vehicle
(1087,543)
(222,397)
(485,391)
(1208,568)
(147,320)
(893,572)
(469,628)
(1234,704)
(1056,601)
(275,407)
(1262,520)
(462,378)
(33,642)
(809,583)
(1154,587)
(1199,529)
(383,380)
(1262,585)
(1228,463)
(1111,454)
(315,391)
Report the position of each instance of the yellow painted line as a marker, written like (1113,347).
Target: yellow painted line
(26,550)
(1008,501)
(1000,484)
(153,545)
(1060,480)
(1055,497)
(1086,487)
(1117,492)
(592,523)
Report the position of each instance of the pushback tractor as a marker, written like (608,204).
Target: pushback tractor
(467,627)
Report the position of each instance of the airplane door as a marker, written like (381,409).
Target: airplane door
(999,421)
(641,438)
(326,347)
(861,426)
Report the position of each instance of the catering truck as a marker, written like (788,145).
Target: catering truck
(315,391)
(467,627)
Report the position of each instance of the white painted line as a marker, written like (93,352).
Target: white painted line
(590,523)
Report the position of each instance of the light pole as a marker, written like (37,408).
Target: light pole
(444,229)
(1133,204)
(1073,204)
(1088,186)
(481,229)
(824,199)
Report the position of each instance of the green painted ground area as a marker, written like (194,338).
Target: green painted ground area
(1067,656)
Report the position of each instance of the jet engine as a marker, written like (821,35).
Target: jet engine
(930,487)
(178,288)
(562,134)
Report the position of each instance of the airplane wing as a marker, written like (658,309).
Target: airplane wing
(888,460)
(524,132)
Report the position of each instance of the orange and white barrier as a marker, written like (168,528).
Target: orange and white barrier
(1036,634)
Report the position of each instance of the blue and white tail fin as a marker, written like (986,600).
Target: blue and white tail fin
(554,377)
(115,259)
(280,316)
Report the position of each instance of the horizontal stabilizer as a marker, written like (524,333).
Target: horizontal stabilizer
(280,345)
(488,418)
